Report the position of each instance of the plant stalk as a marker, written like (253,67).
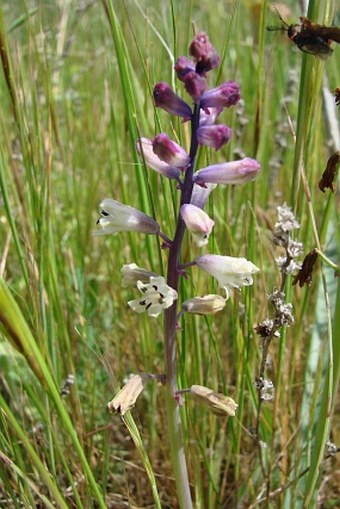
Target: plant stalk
(170,321)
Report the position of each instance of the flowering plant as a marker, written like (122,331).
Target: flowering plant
(172,161)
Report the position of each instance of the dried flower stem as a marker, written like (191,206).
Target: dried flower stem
(170,321)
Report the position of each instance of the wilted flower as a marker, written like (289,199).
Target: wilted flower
(287,221)
(328,176)
(224,96)
(304,277)
(233,172)
(198,223)
(127,396)
(166,98)
(132,274)
(144,148)
(287,265)
(157,295)
(169,151)
(230,272)
(266,388)
(218,403)
(117,217)
(284,311)
(266,328)
(214,136)
(207,305)
(201,194)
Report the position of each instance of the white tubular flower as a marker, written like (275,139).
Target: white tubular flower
(200,194)
(132,274)
(128,395)
(230,272)
(207,305)
(198,223)
(157,295)
(117,217)
(144,147)
(218,403)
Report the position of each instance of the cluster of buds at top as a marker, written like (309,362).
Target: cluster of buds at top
(169,159)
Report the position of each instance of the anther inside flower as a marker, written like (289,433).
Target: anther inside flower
(156,296)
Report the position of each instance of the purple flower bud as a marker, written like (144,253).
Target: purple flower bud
(117,217)
(198,223)
(183,66)
(200,194)
(166,98)
(234,172)
(195,85)
(214,136)
(224,96)
(169,151)
(209,116)
(144,148)
(204,54)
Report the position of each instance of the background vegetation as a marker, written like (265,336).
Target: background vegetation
(75,93)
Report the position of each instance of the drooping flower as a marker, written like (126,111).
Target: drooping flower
(128,395)
(224,96)
(218,403)
(166,98)
(132,274)
(157,295)
(201,194)
(144,148)
(233,172)
(169,151)
(198,223)
(117,217)
(229,271)
(207,305)
(214,136)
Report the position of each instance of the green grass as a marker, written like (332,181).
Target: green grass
(75,93)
